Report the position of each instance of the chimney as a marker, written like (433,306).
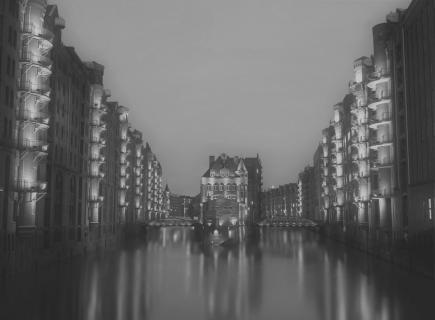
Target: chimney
(210,161)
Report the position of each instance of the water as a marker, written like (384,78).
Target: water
(272,274)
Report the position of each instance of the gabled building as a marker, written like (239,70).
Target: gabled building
(224,191)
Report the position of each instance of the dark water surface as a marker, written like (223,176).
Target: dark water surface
(272,274)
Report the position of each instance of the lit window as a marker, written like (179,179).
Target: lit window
(429,206)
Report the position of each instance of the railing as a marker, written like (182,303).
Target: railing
(386,117)
(376,194)
(39,32)
(30,57)
(38,116)
(374,142)
(376,164)
(30,186)
(37,145)
(97,199)
(36,88)
(374,101)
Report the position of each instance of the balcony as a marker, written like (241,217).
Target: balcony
(374,102)
(36,60)
(376,164)
(375,143)
(383,120)
(98,125)
(100,108)
(124,204)
(97,175)
(377,78)
(39,32)
(22,185)
(42,91)
(98,199)
(33,145)
(37,117)
(377,194)
(99,158)
(98,140)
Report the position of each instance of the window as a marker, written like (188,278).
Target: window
(429,208)
(8,66)
(6,95)
(11,98)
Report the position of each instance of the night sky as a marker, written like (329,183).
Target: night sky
(242,77)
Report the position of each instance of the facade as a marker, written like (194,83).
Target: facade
(414,51)
(73,173)
(154,186)
(180,205)
(281,202)
(167,208)
(123,184)
(318,175)
(377,176)
(64,223)
(134,177)
(224,191)
(255,185)
(110,222)
(306,193)
(10,40)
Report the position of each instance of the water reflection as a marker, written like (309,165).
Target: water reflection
(260,274)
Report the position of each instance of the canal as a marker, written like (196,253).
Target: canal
(173,273)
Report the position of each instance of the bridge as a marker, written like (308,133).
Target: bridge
(172,222)
(294,222)
(281,222)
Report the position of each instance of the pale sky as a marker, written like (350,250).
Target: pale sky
(243,77)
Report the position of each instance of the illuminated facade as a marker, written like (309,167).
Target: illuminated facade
(154,185)
(72,171)
(167,202)
(224,191)
(135,175)
(123,163)
(33,115)
(360,197)
(97,143)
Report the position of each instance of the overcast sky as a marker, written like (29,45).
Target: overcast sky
(242,77)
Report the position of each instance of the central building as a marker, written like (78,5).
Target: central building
(224,192)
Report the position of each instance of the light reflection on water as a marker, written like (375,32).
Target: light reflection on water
(267,274)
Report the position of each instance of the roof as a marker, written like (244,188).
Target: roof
(234,165)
